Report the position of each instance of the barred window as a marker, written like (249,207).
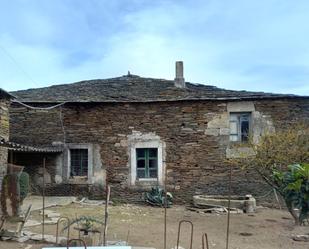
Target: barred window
(79,162)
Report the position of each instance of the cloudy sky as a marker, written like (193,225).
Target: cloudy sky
(253,45)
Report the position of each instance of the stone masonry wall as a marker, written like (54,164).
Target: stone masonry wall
(195,137)
(35,127)
(4,133)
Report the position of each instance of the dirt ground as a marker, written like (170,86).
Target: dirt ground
(144,226)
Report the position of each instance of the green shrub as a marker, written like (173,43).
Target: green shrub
(24,183)
(294,185)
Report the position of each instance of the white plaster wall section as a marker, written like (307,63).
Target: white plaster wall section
(99,171)
(218,125)
(241,106)
(145,140)
(59,166)
(260,125)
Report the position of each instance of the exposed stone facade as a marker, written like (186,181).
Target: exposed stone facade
(193,135)
(4,133)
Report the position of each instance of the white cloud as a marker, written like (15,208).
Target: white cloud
(252,45)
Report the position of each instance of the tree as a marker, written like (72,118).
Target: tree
(281,158)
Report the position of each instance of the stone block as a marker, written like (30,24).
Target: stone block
(212,132)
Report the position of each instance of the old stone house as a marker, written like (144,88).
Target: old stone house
(133,132)
(5,99)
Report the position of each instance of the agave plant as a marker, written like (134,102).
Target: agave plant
(294,186)
(156,197)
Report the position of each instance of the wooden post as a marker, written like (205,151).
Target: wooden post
(228,209)
(108,191)
(43,193)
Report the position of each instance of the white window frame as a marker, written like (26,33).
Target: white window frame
(142,145)
(238,123)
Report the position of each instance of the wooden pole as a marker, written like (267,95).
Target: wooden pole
(165,209)
(43,193)
(228,209)
(108,191)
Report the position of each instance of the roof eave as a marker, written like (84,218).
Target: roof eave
(168,100)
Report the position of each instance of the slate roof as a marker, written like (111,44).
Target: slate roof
(132,88)
(5,94)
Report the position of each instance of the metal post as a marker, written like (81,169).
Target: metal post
(165,208)
(179,228)
(80,240)
(205,241)
(228,209)
(57,229)
(43,193)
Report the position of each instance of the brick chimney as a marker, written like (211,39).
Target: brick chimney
(179,80)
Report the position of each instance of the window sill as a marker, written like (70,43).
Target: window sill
(239,143)
(78,180)
(145,183)
(147,180)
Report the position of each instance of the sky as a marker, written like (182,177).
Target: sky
(256,45)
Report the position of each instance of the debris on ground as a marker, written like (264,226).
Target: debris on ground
(302,237)
(86,201)
(215,210)
(179,247)
(32,223)
(50,201)
(116,243)
(28,235)
(47,238)
(245,234)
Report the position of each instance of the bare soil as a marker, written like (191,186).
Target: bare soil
(144,226)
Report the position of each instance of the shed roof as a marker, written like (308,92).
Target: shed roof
(26,148)
(132,88)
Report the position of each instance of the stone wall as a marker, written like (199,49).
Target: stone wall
(194,137)
(4,118)
(35,127)
(4,133)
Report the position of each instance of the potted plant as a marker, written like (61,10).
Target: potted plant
(87,226)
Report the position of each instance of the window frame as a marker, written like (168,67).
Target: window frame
(67,169)
(156,144)
(146,158)
(82,159)
(238,121)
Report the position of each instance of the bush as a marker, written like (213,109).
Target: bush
(24,183)
(294,184)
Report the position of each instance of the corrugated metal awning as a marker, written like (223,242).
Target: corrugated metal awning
(26,148)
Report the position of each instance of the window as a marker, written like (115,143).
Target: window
(146,163)
(240,126)
(79,162)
